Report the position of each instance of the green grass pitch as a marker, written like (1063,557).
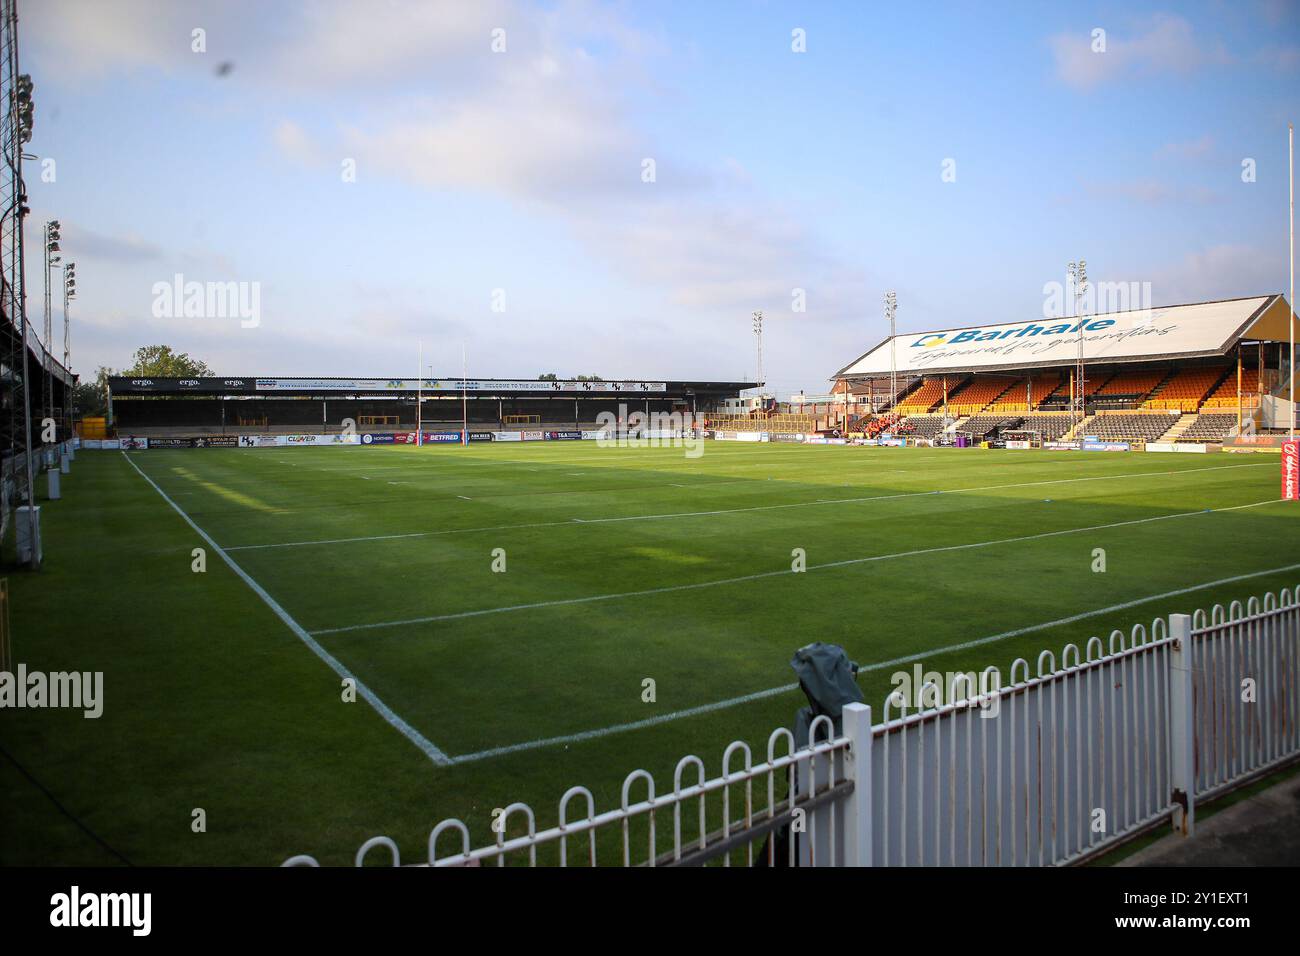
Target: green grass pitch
(620,565)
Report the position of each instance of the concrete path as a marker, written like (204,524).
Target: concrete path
(1263,830)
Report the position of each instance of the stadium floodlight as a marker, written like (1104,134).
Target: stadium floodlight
(26,106)
(891,310)
(69,293)
(53,233)
(1078,273)
(758,336)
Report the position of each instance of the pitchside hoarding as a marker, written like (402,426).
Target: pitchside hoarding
(1105,446)
(447,385)
(1291,471)
(208,441)
(281,441)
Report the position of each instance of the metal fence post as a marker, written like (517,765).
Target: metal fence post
(1182,725)
(857,767)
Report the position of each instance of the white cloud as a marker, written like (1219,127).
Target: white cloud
(1221,271)
(1166,45)
(413,91)
(546,126)
(87,38)
(1192,149)
(1284,59)
(1150,192)
(297,144)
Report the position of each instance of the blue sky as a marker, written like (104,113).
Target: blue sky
(521,171)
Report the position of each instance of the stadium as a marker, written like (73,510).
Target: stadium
(1003,591)
(446,521)
(1190,376)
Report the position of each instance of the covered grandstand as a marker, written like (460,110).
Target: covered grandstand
(1202,372)
(237,405)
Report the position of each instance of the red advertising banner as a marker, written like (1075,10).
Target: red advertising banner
(1291,471)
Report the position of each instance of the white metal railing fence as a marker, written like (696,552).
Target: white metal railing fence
(1038,772)
(1059,764)
(797,788)
(1246,669)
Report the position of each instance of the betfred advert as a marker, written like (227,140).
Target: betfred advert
(1291,471)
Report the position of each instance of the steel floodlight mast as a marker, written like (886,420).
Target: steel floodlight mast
(1078,273)
(69,293)
(891,310)
(53,231)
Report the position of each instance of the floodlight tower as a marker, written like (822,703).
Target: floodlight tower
(891,310)
(52,261)
(1078,272)
(69,293)
(758,338)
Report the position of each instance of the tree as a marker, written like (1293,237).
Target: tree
(159,361)
(91,398)
(151,361)
(548,377)
(589,378)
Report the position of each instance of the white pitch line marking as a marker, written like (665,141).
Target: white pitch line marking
(462,496)
(384,711)
(881,665)
(918,494)
(698,585)
(696,514)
